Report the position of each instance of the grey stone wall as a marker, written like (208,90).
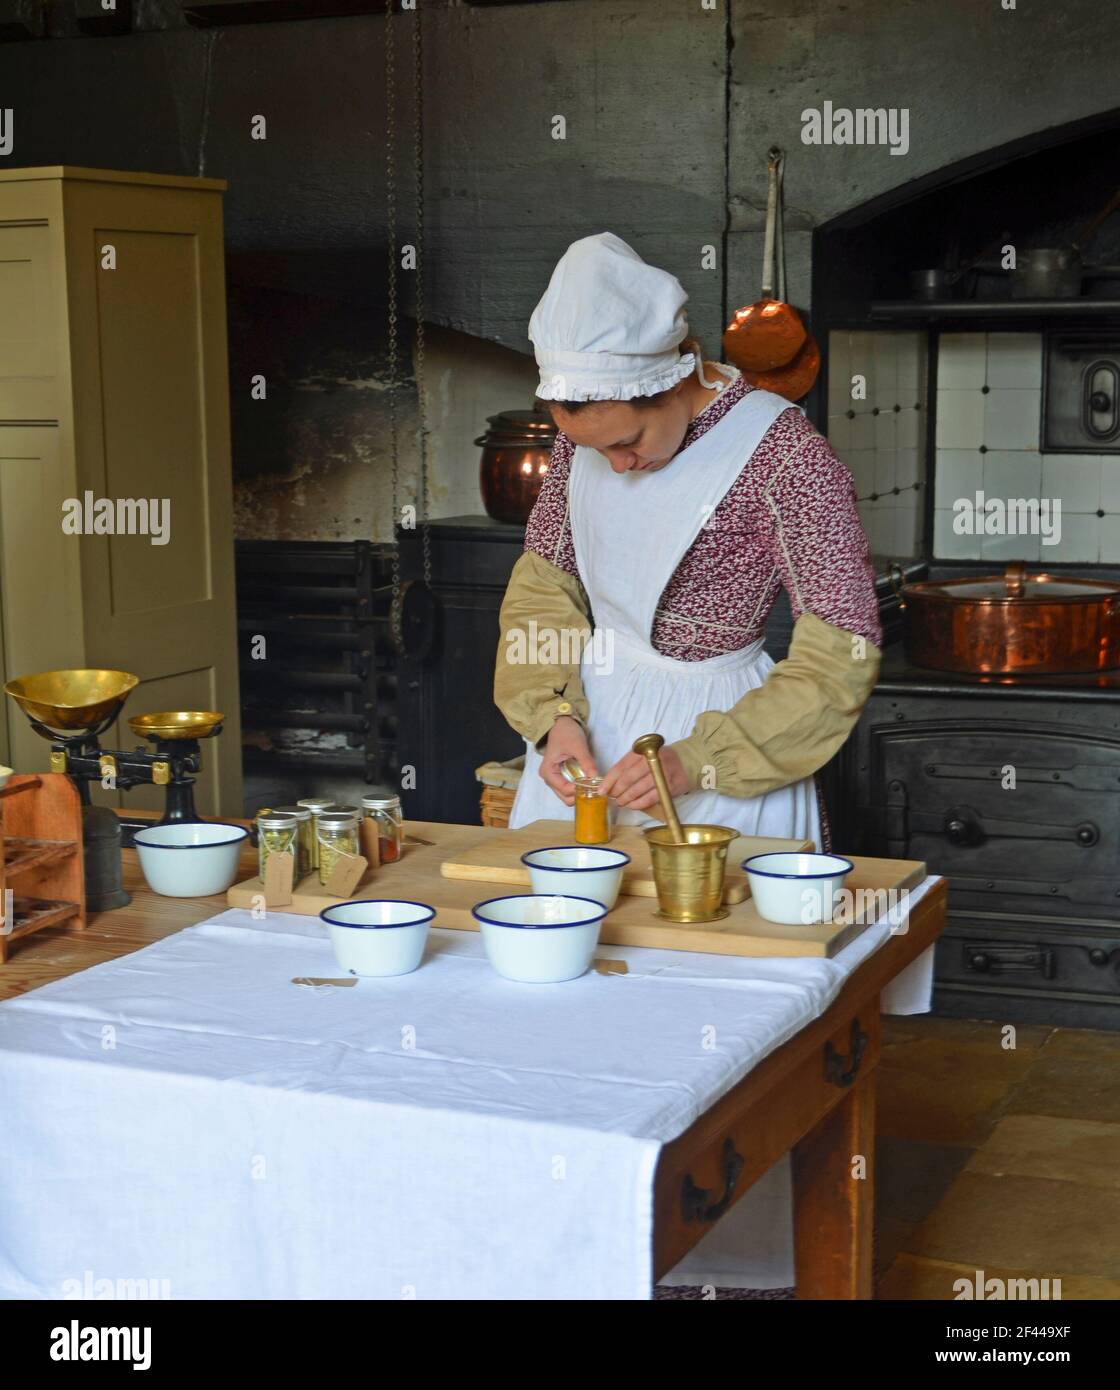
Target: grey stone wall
(669,107)
(975,77)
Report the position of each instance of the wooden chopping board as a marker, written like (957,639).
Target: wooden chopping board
(498,858)
(632,922)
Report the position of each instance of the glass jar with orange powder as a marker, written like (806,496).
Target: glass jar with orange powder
(593,819)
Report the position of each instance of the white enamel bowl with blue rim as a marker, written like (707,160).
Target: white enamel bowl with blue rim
(581,869)
(378,936)
(540,938)
(190,859)
(796,889)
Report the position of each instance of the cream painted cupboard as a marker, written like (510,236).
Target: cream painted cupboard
(114,389)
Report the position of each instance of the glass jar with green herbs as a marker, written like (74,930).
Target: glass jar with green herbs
(304,839)
(277,833)
(316,805)
(337,834)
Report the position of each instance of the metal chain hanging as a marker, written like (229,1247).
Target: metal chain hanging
(421,383)
(391,218)
(419,597)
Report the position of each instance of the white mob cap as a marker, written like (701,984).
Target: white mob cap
(608,328)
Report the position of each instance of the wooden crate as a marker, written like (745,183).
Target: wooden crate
(40,855)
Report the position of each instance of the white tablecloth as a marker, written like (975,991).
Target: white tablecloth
(187,1116)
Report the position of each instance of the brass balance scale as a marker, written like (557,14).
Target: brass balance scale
(72,709)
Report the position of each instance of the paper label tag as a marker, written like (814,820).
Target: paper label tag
(346,875)
(371,846)
(611,967)
(278,879)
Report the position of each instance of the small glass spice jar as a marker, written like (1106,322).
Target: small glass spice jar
(337,834)
(314,804)
(306,831)
(593,819)
(388,819)
(277,833)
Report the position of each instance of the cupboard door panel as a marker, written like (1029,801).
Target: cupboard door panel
(150,390)
(40,580)
(155,439)
(29,346)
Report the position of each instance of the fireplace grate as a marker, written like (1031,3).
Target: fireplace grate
(317,667)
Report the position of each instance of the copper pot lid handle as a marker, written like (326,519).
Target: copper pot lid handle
(1015,579)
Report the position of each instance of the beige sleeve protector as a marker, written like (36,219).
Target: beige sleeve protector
(545,623)
(793,723)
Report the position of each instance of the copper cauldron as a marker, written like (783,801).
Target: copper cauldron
(1012,624)
(515,453)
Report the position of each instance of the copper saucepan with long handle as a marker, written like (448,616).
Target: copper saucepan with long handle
(1012,624)
(769,333)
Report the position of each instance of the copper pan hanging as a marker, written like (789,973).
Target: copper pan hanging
(767,329)
(796,378)
(768,333)
(1014,624)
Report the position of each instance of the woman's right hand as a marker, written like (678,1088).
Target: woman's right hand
(566,739)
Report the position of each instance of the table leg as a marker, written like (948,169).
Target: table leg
(833,1210)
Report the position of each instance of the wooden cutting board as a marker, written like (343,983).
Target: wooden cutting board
(498,858)
(633,921)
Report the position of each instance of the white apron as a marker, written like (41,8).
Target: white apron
(631,531)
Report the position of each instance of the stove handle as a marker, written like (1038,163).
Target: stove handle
(1010,960)
(957,832)
(963,826)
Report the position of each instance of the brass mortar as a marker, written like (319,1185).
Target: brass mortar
(689,877)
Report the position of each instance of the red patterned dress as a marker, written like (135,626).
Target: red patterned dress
(789,520)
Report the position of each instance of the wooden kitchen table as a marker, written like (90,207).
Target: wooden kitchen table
(814,1097)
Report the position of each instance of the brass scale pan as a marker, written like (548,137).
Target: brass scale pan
(77,701)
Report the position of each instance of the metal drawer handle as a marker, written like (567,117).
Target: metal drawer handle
(696,1202)
(1011,960)
(840,1070)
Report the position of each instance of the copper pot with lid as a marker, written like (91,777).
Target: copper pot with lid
(515,454)
(1012,624)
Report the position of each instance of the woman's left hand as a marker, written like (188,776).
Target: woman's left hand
(630,782)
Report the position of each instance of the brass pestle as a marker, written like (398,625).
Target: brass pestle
(689,862)
(649,746)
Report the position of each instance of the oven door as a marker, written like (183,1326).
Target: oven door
(1023,816)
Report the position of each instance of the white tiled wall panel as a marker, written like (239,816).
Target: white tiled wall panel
(960,419)
(961,361)
(988,427)
(880,431)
